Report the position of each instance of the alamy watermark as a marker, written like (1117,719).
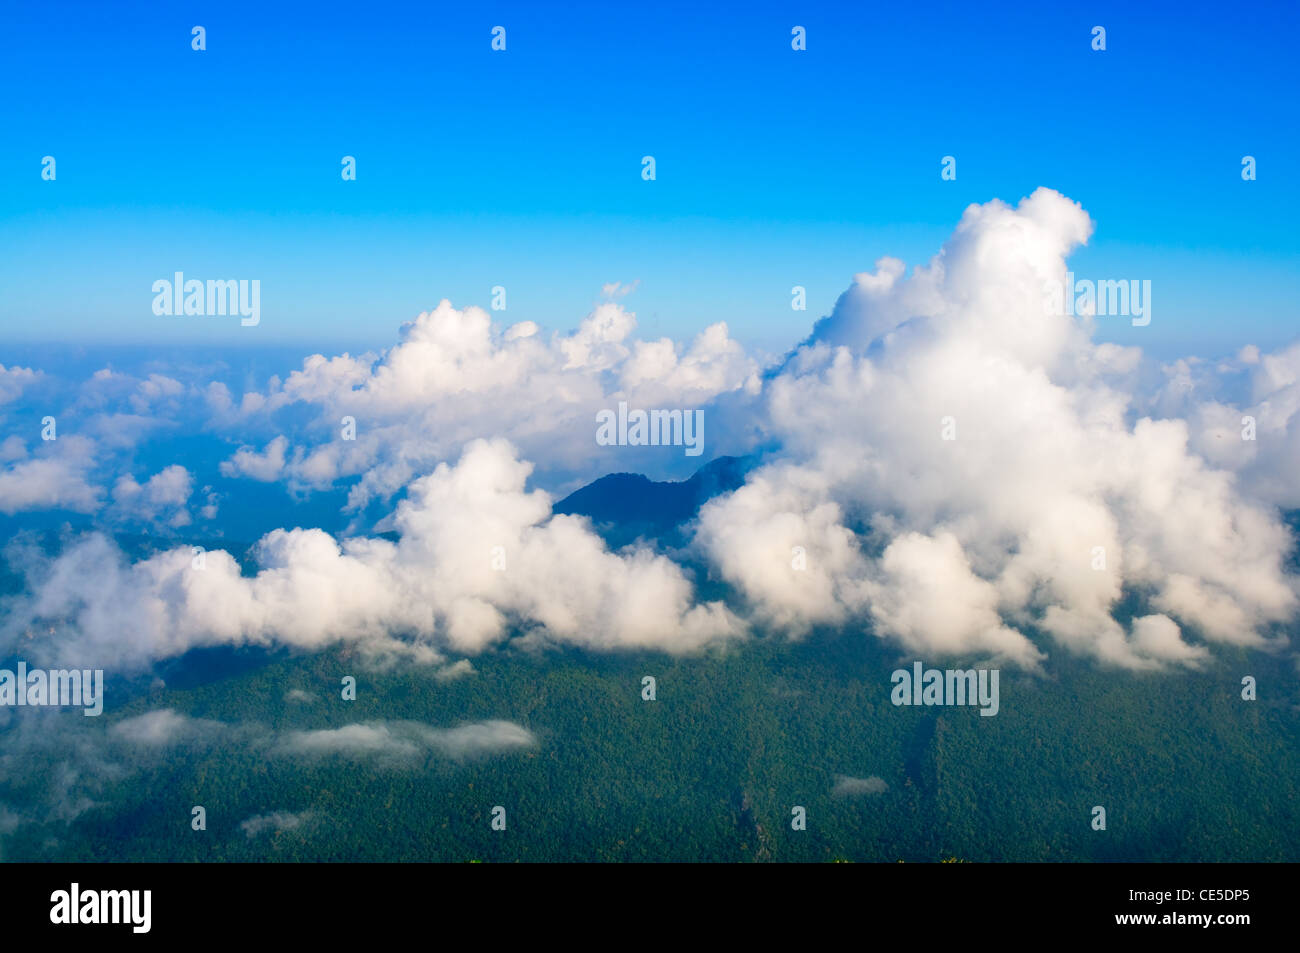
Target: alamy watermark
(654,428)
(930,686)
(1106,298)
(213,297)
(77,906)
(81,688)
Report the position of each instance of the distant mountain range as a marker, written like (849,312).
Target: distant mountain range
(624,507)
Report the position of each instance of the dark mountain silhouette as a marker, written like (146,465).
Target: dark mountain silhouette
(626,506)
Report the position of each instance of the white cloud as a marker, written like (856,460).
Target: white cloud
(455,670)
(856,787)
(618,289)
(163,727)
(1070,484)
(352,741)
(1255,433)
(480,738)
(930,600)
(57,476)
(265,467)
(456,376)
(275,821)
(434,590)
(1052,500)
(404,741)
(161,499)
(1157,636)
(13,380)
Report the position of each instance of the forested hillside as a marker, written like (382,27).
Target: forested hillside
(710,769)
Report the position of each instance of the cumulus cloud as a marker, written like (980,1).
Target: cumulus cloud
(947,462)
(1244,416)
(79,456)
(478,558)
(456,375)
(56,476)
(929,599)
(13,380)
(963,467)
(455,670)
(154,390)
(1157,637)
(265,467)
(161,499)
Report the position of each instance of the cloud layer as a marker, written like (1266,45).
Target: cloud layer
(963,466)
(478,557)
(948,463)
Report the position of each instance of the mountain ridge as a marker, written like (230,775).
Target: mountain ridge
(624,507)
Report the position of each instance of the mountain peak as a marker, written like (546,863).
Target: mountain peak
(625,506)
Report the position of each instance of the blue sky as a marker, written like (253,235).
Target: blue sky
(522,168)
